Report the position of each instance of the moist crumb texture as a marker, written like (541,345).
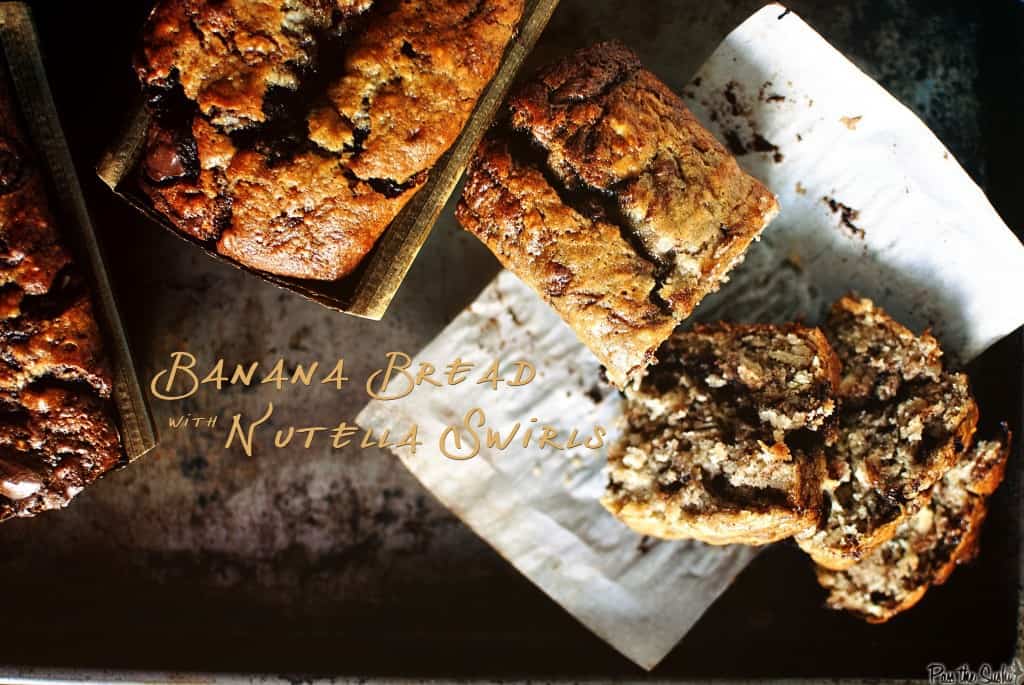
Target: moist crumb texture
(927,547)
(290,133)
(904,422)
(603,141)
(724,438)
(57,433)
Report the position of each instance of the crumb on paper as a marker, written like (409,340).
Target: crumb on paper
(851,122)
(735,106)
(761,144)
(847,216)
(735,143)
(645,544)
(800,189)
(758,143)
(764,95)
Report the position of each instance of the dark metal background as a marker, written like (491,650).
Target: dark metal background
(338,562)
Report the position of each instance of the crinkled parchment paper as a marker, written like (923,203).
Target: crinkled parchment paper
(872,202)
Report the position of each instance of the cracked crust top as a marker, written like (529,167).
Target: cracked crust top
(623,153)
(609,126)
(579,264)
(57,433)
(226,55)
(308,161)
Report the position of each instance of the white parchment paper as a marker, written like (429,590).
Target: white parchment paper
(872,202)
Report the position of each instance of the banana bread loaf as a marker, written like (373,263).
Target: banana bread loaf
(725,436)
(606,138)
(288,134)
(57,432)
(904,422)
(927,547)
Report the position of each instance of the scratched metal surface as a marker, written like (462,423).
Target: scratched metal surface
(337,562)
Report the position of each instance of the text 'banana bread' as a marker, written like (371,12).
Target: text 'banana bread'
(604,193)
(288,134)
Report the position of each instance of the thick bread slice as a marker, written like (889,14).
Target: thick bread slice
(725,436)
(903,423)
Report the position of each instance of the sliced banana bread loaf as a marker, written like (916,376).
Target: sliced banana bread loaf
(613,145)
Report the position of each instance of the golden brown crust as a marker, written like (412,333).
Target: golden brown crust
(297,220)
(57,433)
(612,127)
(411,81)
(227,54)
(302,192)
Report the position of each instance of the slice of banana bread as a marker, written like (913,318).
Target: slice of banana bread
(904,422)
(926,548)
(725,436)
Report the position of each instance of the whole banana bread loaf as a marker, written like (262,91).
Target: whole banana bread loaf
(610,142)
(57,431)
(288,134)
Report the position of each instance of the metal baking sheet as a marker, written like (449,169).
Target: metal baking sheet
(25,64)
(370,289)
(336,564)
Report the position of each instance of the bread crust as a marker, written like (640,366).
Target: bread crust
(580,265)
(297,189)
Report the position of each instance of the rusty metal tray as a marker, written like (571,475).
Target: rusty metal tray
(369,290)
(316,563)
(28,76)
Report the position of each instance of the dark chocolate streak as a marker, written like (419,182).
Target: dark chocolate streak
(589,201)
